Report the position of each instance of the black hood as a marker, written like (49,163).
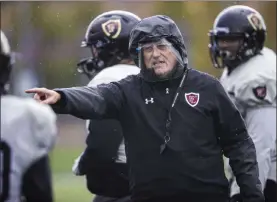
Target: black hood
(153,29)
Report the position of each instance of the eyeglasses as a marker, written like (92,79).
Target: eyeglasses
(160,45)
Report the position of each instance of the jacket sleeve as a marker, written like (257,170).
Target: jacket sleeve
(238,146)
(103,101)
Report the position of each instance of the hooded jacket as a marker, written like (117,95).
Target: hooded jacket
(202,125)
(151,30)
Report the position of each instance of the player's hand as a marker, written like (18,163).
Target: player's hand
(44,95)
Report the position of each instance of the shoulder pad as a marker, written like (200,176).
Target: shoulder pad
(113,74)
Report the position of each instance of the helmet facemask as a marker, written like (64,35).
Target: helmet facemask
(102,56)
(232,49)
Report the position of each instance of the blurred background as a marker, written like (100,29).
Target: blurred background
(46,38)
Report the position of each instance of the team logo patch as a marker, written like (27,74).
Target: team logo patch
(255,21)
(112,28)
(192,98)
(260,92)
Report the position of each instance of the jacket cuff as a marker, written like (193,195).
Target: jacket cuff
(60,107)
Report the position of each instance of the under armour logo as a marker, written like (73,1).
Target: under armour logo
(167,90)
(151,100)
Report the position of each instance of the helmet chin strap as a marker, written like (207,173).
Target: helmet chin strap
(232,61)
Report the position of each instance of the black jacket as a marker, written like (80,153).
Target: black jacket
(199,134)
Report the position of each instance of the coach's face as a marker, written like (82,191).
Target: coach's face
(160,57)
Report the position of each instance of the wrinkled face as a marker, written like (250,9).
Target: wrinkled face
(229,46)
(160,57)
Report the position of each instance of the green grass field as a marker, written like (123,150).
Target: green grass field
(67,186)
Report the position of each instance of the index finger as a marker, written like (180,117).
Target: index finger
(34,90)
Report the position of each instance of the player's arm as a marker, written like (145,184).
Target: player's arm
(238,146)
(257,97)
(103,101)
(37,183)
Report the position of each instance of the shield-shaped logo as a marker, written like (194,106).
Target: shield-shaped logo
(255,21)
(260,92)
(112,28)
(192,98)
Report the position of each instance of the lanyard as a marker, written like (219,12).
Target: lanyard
(168,121)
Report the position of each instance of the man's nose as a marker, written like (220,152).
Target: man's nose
(156,51)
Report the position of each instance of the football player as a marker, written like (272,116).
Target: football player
(28,131)
(249,76)
(104,160)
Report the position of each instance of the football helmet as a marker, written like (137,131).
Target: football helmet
(238,34)
(107,37)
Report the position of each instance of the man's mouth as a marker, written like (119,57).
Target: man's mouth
(157,63)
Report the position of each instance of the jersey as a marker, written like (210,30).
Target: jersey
(105,156)
(252,87)
(110,74)
(28,132)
